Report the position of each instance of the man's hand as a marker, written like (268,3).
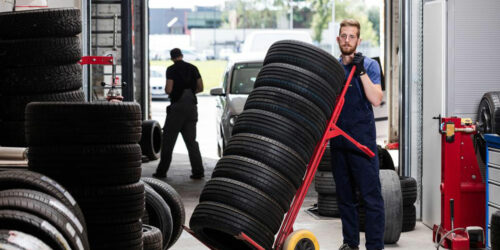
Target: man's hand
(359,60)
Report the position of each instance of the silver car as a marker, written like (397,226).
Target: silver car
(238,82)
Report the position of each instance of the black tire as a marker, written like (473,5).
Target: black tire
(385,159)
(42,79)
(93,165)
(13,107)
(495,231)
(393,205)
(19,179)
(299,81)
(287,99)
(151,238)
(309,57)
(217,224)
(110,204)
(116,236)
(276,108)
(273,130)
(300,135)
(409,190)
(117,156)
(39,204)
(12,134)
(81,112)
(33,225)
(174,201)
(488,113)
(92,176)
(50,123)
(15,240)
(488,121)
(40,51)
(245,198)
(326,162)
(324,183)
(258,175)
(159,214)
(270,152)
(328,206)
(151,139)
(40,23)
(307,79)
(409,218)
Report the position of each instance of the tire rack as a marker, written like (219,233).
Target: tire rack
(331,131)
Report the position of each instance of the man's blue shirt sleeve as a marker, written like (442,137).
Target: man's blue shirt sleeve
(373,70)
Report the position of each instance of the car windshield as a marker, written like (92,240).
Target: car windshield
(244,76)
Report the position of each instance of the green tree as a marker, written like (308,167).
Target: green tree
(322,16)
(343,9)
(374,18)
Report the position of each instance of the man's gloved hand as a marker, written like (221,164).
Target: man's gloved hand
(359,60)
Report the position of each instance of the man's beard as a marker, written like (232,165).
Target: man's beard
(347,51)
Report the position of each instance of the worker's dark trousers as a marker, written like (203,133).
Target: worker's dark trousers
(181,117)
(351,170)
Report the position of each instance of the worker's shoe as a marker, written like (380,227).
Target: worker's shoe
(159,176)
(196,176)
(345,246)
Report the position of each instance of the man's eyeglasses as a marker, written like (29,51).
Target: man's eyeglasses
(351,37)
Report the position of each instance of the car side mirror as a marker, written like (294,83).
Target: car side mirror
(217,91)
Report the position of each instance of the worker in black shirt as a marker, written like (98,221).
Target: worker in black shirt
(183,82)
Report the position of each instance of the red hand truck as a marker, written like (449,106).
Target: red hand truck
(287,238)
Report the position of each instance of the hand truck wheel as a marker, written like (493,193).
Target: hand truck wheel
(301,240)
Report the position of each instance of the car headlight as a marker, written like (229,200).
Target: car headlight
(232,120)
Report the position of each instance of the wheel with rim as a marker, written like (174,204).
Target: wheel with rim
(301,240)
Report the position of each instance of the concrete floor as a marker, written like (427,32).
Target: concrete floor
(327,230)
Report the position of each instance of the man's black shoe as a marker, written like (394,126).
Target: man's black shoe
(196,176)
(159,176)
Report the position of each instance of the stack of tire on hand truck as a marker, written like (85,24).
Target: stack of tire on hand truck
(265,161)
(39,54)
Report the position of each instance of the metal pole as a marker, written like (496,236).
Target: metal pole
(405,90)
(145,95)
(291,14)
(86,46)
(127,51)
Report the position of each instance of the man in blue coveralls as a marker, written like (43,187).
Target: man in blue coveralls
(352,169)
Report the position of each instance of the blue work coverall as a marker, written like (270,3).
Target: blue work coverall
(352,169)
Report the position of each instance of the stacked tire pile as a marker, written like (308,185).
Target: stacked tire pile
(38,213)
(324,184)
(164,213)
(399,194)
(495,231)
(92,149)
(409,190)
(39,54)
(273,139)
